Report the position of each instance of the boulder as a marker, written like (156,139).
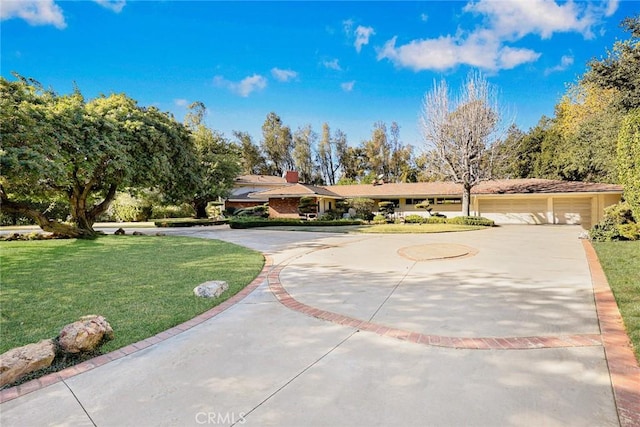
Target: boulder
(211,289)
(84,335)
(138,233)
(119,232)
(17,362)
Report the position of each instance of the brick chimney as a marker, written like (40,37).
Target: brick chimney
(292,177)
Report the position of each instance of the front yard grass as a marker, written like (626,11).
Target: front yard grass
(621,264)
(142,284)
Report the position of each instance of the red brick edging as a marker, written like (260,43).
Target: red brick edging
(623,366)
(479,343)
(55,377)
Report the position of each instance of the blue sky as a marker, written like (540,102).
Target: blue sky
(350,64)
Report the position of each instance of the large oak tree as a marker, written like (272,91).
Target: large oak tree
(63,147)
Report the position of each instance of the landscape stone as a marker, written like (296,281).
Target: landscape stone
(138,233)
(84,335)
(211,289)
(17,362)
(119,232)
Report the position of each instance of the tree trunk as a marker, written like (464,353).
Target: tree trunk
(466,200)
(200,206)
(45,223)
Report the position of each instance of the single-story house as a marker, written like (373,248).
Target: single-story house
(510,201)
(246,185)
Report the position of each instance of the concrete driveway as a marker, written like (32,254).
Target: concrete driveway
(349,330)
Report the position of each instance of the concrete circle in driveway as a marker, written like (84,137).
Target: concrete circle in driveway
(435,251)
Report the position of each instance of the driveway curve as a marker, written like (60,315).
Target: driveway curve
(348,330)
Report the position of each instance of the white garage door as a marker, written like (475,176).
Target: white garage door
(515,210)
(572,211)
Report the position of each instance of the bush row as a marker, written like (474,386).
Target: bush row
(464,220)
(189,222)
(240,223)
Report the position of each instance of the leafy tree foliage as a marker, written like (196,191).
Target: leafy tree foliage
(620,70)
(629,160)
(217,161)
(304,140)
(277,145)
(331,150)
(63,147)
(252,159)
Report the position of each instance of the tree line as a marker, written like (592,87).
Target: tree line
(69,151)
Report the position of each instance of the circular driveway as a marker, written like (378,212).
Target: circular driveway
(345,330)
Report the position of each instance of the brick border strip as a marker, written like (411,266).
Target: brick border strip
(480,343)
(623,366)
(55,377)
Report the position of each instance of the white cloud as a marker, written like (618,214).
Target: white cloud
(332,65)
(447,52)
(244,87)
(424,17)
(35,12)
(348,86)
(612,6)
(362,36)
(347,26)
(283,75)
(181,102)
(543,17)
(492,47)
(114,5)
(565,62)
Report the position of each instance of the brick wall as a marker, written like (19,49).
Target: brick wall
(284,208)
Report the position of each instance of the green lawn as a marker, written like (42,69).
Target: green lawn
(142,284)
(621,263)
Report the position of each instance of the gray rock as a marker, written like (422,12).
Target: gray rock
(119,232)
(138,233)
(17,362)
(211,289)
(84,335)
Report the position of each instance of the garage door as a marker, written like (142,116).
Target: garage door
(515,210)
(572,211)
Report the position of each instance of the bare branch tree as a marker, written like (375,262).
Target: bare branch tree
(460,132)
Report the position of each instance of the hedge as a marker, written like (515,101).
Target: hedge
(243,223)
(189,222)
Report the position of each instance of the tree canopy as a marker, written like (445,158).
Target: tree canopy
(64,148)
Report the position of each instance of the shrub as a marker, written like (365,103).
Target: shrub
(435,220)
(188,222)
(414,219)
(604,231)
(379,219)
(364,207)
(173,211)
(471,220)
(249,222)
(618,223)
(261,211)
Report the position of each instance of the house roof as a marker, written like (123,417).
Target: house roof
(534,185)
(260,180)
(295,190)
(431,189)
(506,186)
